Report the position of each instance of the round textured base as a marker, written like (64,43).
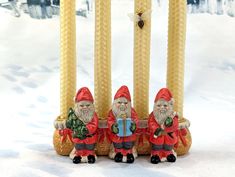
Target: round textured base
(181,150)
(103,148)
(62,148)
(143,149)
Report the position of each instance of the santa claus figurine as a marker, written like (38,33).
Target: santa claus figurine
(163,124)
(83,122)
(122,123)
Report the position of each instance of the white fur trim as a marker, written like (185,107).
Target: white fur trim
(111,152)
(124,159)
(60,124)
(184,124)
(163,159)
(72,153)
(84,158)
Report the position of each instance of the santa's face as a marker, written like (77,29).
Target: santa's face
(162,109)
(84,110)
(121,107)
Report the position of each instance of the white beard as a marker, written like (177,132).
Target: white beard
(118,113)
(161,117)
(85,116)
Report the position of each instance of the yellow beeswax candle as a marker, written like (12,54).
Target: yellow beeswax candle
(102,73)
(175,66)
(67,69)
(142,34)
(176,52)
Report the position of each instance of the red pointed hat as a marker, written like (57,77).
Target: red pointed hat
(123,91)
(164,93)
(84,94)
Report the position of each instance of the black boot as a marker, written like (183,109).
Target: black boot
(155,159)
(130,158)
(118,157)
(91,159)
(77,159)
(171,158)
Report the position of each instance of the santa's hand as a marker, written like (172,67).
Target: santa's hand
(168,122)
(115,128)
(158,131)
(60,124)
(133,127)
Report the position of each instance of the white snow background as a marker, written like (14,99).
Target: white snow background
(29,97)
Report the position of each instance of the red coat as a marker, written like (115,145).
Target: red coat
(162,139)
(92,128)
(113,137)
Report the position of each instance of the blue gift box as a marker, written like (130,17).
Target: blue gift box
(124,127)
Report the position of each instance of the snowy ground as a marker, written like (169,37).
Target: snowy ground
(29,97)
